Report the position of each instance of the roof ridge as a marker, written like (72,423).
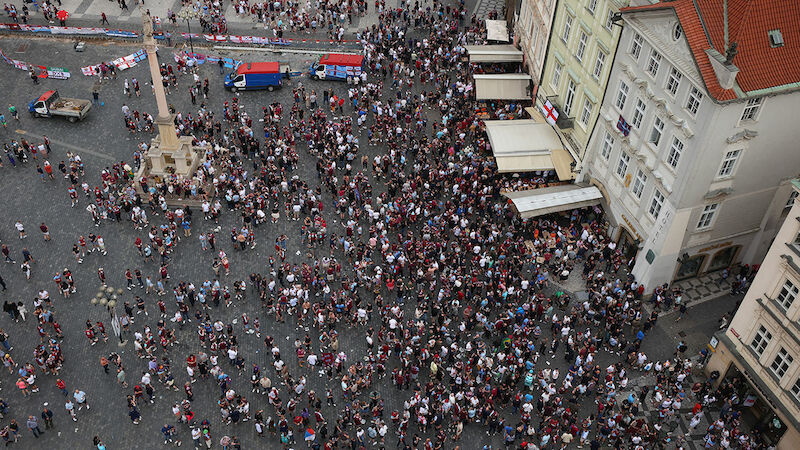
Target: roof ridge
(735,29)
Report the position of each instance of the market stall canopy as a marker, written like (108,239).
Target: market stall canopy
(538,202)
(493,53)
(503,86)
(496,30)
(526,145)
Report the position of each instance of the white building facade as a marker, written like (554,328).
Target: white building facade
(697,184)
(533,32)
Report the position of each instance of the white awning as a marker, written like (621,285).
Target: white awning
(526,145)
(493,53)
(496,30)
(538,202)
(502,86)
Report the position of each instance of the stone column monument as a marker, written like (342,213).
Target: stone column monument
(168,154)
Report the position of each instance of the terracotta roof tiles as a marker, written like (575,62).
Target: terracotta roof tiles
(749,22)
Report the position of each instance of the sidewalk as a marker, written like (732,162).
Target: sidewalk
(704,288)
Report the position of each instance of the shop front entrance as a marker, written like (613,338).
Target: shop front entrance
(689,267)
(627,244)
(756,413)
(723,258)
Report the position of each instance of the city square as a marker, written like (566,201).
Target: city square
(334,263)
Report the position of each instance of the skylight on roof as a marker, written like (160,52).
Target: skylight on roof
(775,38)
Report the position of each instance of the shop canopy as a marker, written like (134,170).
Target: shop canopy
(538,202)
(503,86)
(525,145)
(496,30)
(493,53)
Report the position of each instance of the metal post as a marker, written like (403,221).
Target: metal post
(189,27)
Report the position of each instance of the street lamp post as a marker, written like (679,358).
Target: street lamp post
(187,14)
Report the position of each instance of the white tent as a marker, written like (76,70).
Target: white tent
(525,145)
(493,53)
(537,202)
(496,30)
(502,86)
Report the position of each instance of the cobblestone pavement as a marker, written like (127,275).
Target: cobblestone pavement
(101,140)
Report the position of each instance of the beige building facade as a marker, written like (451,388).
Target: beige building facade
(761,347)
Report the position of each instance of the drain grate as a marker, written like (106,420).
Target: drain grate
(23,48)
(682,333)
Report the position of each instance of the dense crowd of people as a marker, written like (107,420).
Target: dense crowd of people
(457,302)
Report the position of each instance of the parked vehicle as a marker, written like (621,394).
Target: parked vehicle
(337,66)
(257,75)
(50,104)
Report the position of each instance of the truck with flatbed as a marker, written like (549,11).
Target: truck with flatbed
(51,104)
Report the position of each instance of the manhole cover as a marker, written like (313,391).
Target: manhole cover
(682,333)
(23,48)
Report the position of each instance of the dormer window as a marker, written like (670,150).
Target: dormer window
(775,38)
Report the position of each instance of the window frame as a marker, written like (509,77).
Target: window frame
(787,294)
(591,6)
(583,42)
(569,97)
(752,110)
(622,164)
(656,203)
(566,29)
(676,76)
(727,167)
(610,20)
(707,216)
(764,337)
(637,42)
(653,138)
(622,95)
(638,115)
(599,64)
(791,200)
(783,366)
(584,114)
(556,79)
(639,183)
(675,152)
(607,146)
(654,63)
(693,100)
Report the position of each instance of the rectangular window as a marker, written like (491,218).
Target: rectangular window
(567,29)
(656,204)
(638,114)
(693,102)
(581,46)
(610,20)
(751,109)
(636,46)
(655,61)
(707,216)
(622,95)
(728,163)
(675,151)
(796,389)
(622,165)
(608,145)
(570,97)
(761,340)
(556,74)
(598,64)
(792,198)
(638,184)
(658,129)
(787,294)
(783,360)
(587,111)
(592,6)
(673,81)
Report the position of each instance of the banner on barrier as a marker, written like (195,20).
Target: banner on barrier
(58,73)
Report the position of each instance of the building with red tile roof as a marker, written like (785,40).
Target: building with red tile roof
(760,38)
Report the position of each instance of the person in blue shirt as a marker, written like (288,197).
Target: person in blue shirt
(169,431)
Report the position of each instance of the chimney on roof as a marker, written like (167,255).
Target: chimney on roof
(723,66)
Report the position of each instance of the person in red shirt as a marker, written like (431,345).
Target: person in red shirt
(89,332)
